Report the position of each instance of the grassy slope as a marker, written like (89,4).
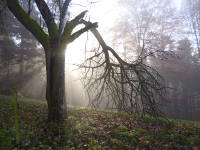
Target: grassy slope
(89,129)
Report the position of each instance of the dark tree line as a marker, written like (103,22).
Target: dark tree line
(154,56)
(19,54)
(168,40)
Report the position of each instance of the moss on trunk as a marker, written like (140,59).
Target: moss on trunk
(55,92)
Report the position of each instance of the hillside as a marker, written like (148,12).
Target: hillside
(90,129)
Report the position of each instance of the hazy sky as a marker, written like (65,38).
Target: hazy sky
(178,3)
(105,12)
(102,12)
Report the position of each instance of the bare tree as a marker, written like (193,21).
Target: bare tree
(191,11)
(146,27)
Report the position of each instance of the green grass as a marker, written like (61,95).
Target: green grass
(90,129)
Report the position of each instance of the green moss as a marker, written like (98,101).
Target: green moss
(116,142)
(16,118)
(94,144)
(141,131)
(67,32)
(30,24)
(6,139)
(71,25)
(120,128)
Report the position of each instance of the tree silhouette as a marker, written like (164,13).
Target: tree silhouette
(142,81)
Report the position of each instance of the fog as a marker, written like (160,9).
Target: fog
(165,33)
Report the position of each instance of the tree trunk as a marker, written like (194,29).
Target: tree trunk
(55,89)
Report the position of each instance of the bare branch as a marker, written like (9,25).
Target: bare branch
(131,87)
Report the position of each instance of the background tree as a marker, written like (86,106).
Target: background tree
(191,11)
(157,26)
(143,32)
(21,56)
(182,73)
(147,27)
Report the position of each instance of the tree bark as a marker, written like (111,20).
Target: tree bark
(55,89)
(54,44)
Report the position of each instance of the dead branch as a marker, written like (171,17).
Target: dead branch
(131,87)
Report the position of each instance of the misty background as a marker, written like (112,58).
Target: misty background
(170,27)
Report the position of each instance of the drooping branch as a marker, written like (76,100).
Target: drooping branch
(131,87)
(48,17)
(102,42)
(28,22)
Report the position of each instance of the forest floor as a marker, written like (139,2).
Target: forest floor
(90,129)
